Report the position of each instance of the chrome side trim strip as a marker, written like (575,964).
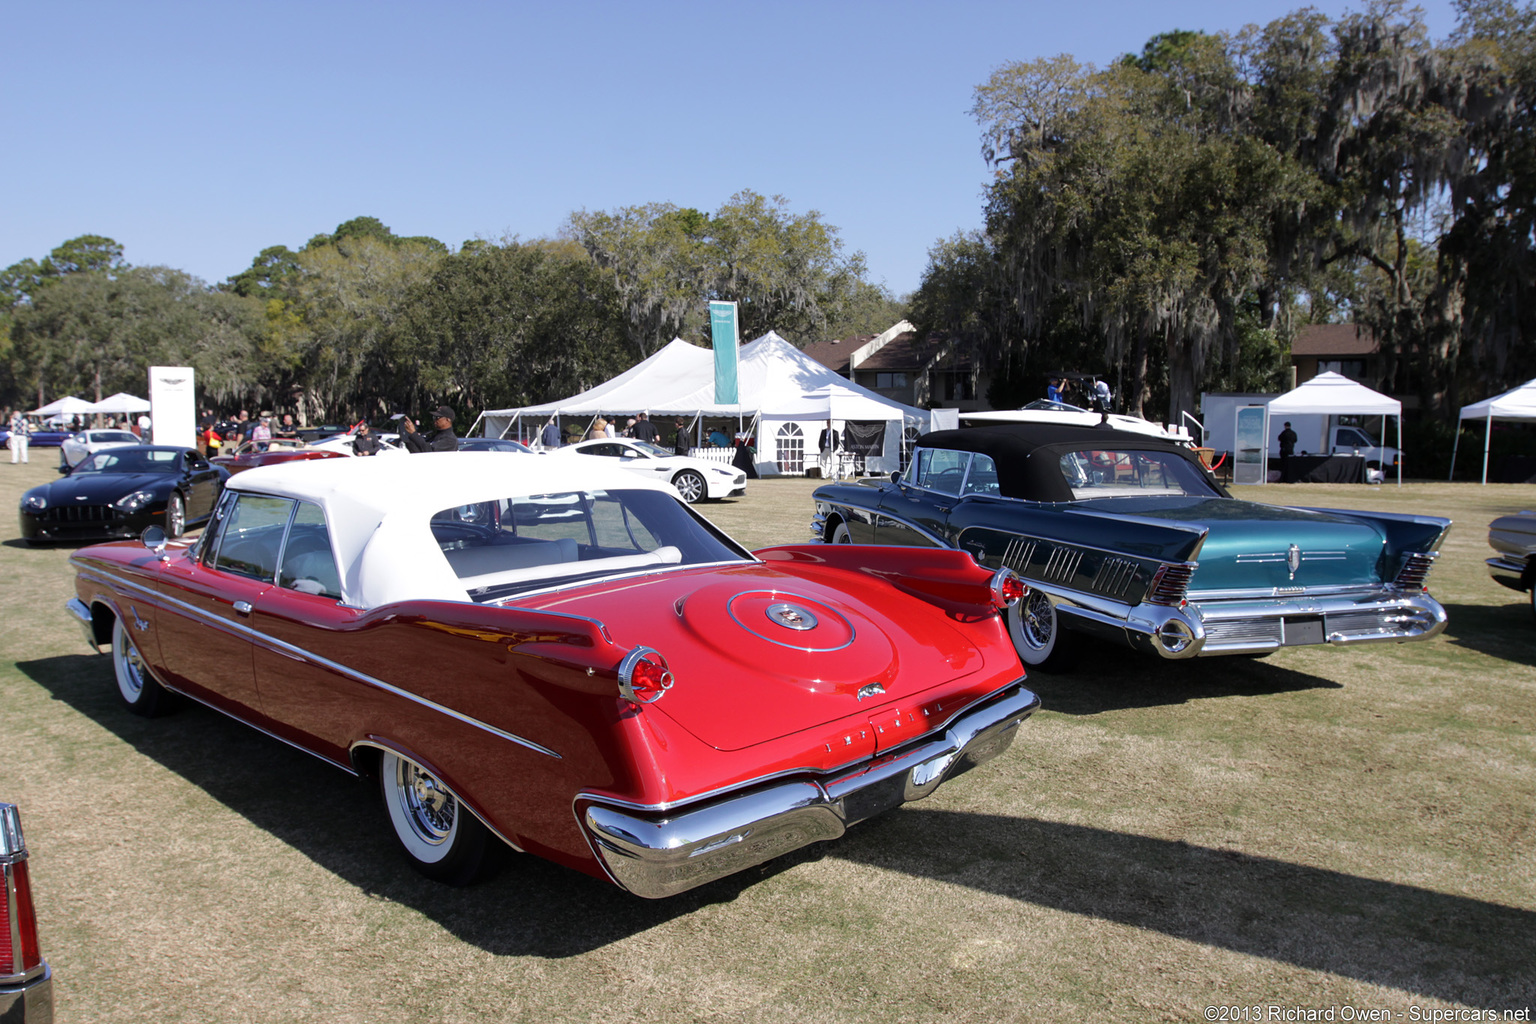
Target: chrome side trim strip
(297,653)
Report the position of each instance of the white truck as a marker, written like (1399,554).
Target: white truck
(1316,434)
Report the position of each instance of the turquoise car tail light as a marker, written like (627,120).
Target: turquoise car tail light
(1170,584)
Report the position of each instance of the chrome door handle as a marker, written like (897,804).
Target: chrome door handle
(242,607)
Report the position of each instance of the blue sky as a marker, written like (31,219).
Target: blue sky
(198,134)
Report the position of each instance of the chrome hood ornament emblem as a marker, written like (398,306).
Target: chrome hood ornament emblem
(791,616)
(1293,559)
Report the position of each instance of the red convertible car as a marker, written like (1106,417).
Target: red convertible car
(561,657)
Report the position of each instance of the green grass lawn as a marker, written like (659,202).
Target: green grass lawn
(1317,828)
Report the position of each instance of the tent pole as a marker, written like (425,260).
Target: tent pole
(1487,441)
(1399,445)
(1454,445)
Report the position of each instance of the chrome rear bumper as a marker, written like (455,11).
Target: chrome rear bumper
(1257,626)
(657,853)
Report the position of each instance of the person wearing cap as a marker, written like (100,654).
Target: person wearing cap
(443,439)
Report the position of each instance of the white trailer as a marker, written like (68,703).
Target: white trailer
(1239,424)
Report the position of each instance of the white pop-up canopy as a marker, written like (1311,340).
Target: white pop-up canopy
(788,393)
(1516,404)
(1333,394)
(67,406)
(122,403)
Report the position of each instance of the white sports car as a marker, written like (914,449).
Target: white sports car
(695,479)
(88,442)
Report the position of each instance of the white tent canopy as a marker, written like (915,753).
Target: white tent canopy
(1333,394)
(121,403)
(789,393)
(67,406)
(1516,404)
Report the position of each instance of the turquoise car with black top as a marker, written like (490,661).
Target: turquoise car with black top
(1128,538)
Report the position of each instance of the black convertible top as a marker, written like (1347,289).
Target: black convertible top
(1012,445)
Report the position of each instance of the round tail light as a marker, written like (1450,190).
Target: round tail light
(1008,588)
(644,676)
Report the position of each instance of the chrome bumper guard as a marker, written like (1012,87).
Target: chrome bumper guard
(662,853)
(1508,572)
(31,1003)
(82,615)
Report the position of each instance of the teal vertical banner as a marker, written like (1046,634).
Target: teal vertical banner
(722,331)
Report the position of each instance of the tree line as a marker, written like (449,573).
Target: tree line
(1171,221)
(1174,218)
(361,322)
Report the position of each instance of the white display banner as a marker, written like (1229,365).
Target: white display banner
(172,406)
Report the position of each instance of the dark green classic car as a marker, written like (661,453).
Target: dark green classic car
(1128,538)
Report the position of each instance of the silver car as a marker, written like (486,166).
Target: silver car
(1514,538)
(89,442)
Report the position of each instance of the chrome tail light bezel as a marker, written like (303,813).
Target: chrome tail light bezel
(1002,586)
(1414,572)
(627,668)
(1170,584)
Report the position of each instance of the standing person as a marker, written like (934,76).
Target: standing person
(261,434)
(612,429)
(1102,396)
(21,432)
(629,427)
(826,444)
(599,428)
(286,430)
(549,437)
(1053,390)
(1287,441)
(363,442)
(443,439)
(680,445)
(644,429)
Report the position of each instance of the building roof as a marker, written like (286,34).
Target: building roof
(834,354)
(1334,340)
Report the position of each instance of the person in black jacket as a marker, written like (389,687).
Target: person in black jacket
(363,442)
(443,439)
(645,430)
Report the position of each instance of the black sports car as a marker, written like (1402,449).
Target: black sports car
(119,491)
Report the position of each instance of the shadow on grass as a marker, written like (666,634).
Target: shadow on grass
(1109,678)
(1504,631)
(1413,939)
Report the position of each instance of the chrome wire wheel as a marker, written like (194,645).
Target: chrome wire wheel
(440,839)
(175,516)
(419,802)
(1039,621)
(1037,635)
(690,485)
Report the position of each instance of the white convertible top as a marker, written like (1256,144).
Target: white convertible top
(377,509)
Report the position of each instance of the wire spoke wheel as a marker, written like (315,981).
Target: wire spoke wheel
(439,837)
